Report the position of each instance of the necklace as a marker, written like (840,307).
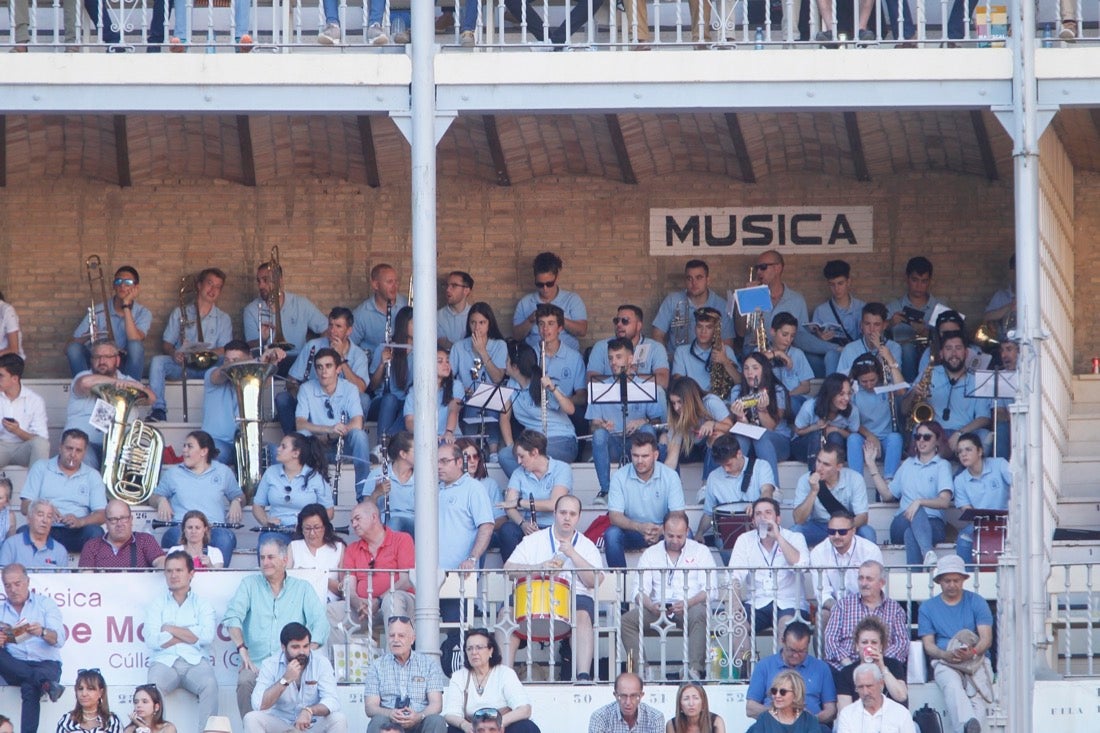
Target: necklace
(479,683)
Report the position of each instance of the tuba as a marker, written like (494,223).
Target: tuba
(248,379)
(275,303)
(131,454)
(93,268)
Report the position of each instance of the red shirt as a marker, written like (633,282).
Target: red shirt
(395,553)
(139,552)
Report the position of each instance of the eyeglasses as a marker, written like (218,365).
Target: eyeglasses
(402,619)
(318,528)
(483,714)
(456,285)
(923,436)
(125,281)
(445,461)
(117,520)
(328,410)
(621,321)
(779,691)
(92,670)
(477,647)
(839,530)
(546,285)
(631,696)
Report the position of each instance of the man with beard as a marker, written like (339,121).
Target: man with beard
(648,356)
(297,314)
(948,392)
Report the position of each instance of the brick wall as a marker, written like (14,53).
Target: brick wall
(330,233)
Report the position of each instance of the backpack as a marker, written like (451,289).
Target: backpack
(928,720)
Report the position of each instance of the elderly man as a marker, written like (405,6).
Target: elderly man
(130,322)
(295,690)
(179,631)
(873,711)
(642,494)
(261,606)
(23,436)
(794,655)
(375,596)
(105,361)
(561,547)
(956,629)
(676,583)
(76,491)
(30,647)
(404,686)
(32,546)
(839,559)
(840,632)
(122,547)
(628,714)
(465,515)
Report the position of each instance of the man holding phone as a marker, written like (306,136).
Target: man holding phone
(404,686)
(23,436)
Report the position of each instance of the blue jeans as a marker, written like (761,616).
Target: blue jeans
(242,22)
(161,369)
(964,545)
(30,676)
(891,449)
(577,18)
(386,410)
(699,452)
(220,537)
(110,35)
(956,21)
(562,447)
(403,524)
(133,363)
(616,541)
(909,27)
(816,532)
(469,15)
(227,453)
(474,429)
(357,450)
(919,537)
(771,447)
(607,448)
(74,539)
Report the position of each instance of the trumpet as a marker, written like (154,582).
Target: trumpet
(275,303)
(93,269)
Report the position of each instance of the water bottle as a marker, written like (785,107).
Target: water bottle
(759,38)
(1048,35)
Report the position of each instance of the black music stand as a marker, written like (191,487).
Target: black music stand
(623,390)
(995,384)
(485,398)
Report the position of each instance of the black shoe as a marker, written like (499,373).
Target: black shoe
(53,690)
(157,415)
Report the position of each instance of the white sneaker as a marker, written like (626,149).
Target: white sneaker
(467,39)
(931,558)
(375,35)
(600,500)
(330,36)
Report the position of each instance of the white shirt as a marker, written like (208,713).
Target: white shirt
(9,323)
(892,717)
(835,584)
(670,581)
(28,409)
(502,689)
(327,558)
(541,546)
(773,578)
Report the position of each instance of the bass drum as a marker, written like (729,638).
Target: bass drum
(731,521)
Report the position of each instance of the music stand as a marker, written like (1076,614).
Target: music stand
(625,391)
(995,384)
(488,397)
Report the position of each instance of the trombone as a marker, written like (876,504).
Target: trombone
(93,271)
(198,358)
(275,305)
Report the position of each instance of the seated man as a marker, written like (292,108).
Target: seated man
(564,363)
(956,629)
(606,418)
(676,583)
(220,410)
(297,315)
(737,480)
(795,655)
(830,488)
(129,319)
(563,548)
(790,364)
(627,712)
(376,314)
(533,491)
(181,334)
(329,408)
(648,356)
(450,320)
(673,324)
(373,597)
(694,360)
(404,686)
(23,436)
(911,314)
(547,265)
(872,329)
(765,571)
(840,631)
(75,490)
(642,494)
(840,559)
(31,546)
(873,711)
(296,689)
(122,547)
(950,321)
(840,314)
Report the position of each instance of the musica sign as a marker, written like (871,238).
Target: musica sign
(739,231)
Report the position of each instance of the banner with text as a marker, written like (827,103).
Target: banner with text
(699,232)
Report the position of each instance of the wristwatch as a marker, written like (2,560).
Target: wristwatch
(284,682)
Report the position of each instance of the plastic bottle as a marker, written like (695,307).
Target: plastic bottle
(1048,35)
(759,38)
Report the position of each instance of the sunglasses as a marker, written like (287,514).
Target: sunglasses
(483,714)
(124,281)
(546,285)
(287,489)
(923,436)
(839,531)
(620,321)
(779,691)
(328,410)
(91,670)
(765,265)
(402,619)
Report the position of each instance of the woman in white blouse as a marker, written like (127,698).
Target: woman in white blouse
(484,682)
(316,545)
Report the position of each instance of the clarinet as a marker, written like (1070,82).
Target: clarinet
(531,510)
(160,524)
(386,338)
(336,462)
(385,477)
(309,363)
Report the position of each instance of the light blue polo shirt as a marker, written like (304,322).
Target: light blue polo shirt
(299,316)
(850,490)
(369,329)
(795,375)
(723,488)
(692,361)
(217,329)
(19,548)
(566,368)
(874,411)
(646,501)
(79,494)
(527,484)
(916,480)
(308,487)
(312,399)
(219,409)
(529,414)
(462,360)
(806,417)
(988,491)
(963,409)
(567,300)
(398,391)
(356,359)
(143,319)
(634,410)
(463,507)
(209,492)
(649,356)
(450,325)
(858,348)
(402,495)
(667,311)
(850,317)
(78,411)
(457,393)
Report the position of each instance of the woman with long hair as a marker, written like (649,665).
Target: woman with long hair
(148,713)
(529,382)
(196,542)
(770,412)
(923,488)
(297,478)
(394,481)
(830,417)
(316,545)
(484,682)
(695,420)
(449,393)
(787,713)
(876,418)
(475,466)
(481,358)
(693,713)
(91,713)
(396,388)
(984,483)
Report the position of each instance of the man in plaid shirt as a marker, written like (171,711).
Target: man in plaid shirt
(871,601)
(628,714)
(405,686)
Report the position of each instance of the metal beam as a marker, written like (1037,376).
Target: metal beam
(122,151)
(370,157)
(740,148)
(500,164)
(855,144)
(248,159)
(626,170)
(985,148)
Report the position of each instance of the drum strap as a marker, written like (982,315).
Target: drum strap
(746,477)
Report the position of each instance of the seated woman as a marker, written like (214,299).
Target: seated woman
(693,713)
(316,545)
(770,412)
(91,713)
(695,421)
(923,486)
(484,682)
(478,359)
(830,417)
(148,713)
(449,392)
(878,426)
(196,542)
(296,479)
(984,483)
(390,485)
(787,713)
(870,639)
(529,382)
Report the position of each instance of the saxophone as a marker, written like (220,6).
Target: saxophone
(721,384)
(922,411)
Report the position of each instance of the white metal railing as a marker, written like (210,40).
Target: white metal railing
(229,25)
